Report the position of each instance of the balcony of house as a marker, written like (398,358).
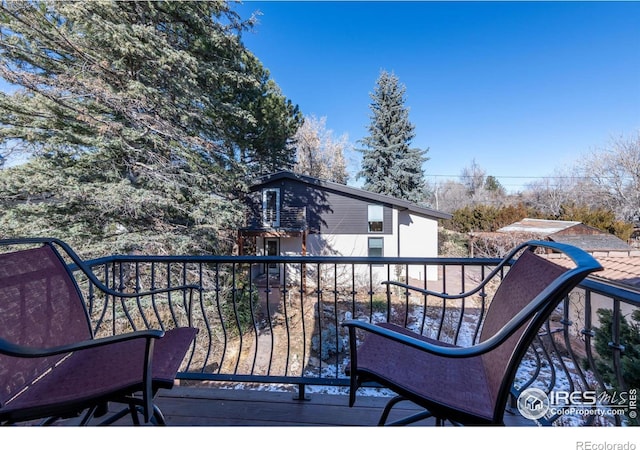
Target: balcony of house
(277,219)
(278,357)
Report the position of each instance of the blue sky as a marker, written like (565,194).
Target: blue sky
(522,88)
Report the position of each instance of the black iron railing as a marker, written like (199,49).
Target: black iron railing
(290,218)
(284,329)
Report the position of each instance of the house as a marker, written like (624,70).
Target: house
(620,261)
(291,214)
(574,233)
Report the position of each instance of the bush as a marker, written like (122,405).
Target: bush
(629,358)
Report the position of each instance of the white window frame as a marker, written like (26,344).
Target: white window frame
(375,215)
(371,239)
(268,221)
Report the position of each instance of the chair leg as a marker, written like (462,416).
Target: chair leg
(133,409)
(387,409)
(48,421)
(90,414)
(158,417)
(413,418)
(115,417)
(406,420)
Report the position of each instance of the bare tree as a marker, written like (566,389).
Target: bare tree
(473,177)
(548,195)
(612,174)
(449,196)
(496,245)
(319,154)
(474,188)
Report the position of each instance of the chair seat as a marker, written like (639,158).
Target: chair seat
(434,382)
(456,385)
(105,371)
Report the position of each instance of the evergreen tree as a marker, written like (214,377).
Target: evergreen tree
(389,165)
(629,329)
(144,121)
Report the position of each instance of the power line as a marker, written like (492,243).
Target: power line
(536,177)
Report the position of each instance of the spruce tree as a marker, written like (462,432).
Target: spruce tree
(390,165)
(143,120)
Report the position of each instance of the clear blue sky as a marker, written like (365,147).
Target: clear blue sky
(522,88)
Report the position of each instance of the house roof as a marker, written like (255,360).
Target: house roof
(569,232)
(593,242)
(353,192)
(620,270)
(623,270)
(541,226)
(620,262)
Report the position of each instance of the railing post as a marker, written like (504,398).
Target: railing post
(302,396)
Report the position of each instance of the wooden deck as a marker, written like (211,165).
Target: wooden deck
(204,416)
(210,406)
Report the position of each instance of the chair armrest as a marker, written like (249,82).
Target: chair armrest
(504,262)
(11,349)
(434,293)
(440,350)
(89,273)
(106,289)
(116,293)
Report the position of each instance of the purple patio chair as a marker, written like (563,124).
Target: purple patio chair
(52,366)
(467,385)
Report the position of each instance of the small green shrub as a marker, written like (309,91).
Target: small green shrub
(629,358)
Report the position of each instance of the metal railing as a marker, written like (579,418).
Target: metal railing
(285,329)
(286,218)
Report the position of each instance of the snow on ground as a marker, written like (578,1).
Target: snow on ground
(551,376)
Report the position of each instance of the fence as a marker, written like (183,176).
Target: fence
(284,329)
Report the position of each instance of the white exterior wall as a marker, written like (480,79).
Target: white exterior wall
(291,246)
(418,239)
(413,236)
(352,245)
(347,244)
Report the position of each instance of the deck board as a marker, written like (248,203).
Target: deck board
(191,406)
(222,407)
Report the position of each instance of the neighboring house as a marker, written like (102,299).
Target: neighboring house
(292,214)
(577,234)
(620,261)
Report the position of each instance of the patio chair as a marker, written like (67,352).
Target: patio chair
(52,366)
(467,385)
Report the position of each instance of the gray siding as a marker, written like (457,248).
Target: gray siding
(327,211)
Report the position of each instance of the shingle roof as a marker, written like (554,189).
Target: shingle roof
(569,232)
(541,226)
(620,270)
(352,191)
(592,242)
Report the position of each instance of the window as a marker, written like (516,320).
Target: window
(271,207)
(375,213)
(272,248)
(376,247)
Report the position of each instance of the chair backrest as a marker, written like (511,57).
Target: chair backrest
(40,306)
(526,279)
